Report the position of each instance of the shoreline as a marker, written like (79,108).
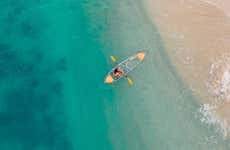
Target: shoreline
(223,5)
(196,35)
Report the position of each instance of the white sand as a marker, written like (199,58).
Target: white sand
(197,38)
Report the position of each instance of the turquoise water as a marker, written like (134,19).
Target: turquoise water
(51,70)
(53,58)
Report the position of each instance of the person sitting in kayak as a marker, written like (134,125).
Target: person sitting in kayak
(118,72)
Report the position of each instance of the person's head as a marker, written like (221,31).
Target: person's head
(116,70)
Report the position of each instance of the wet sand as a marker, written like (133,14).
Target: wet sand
(197,37)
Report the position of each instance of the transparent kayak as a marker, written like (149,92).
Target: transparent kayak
(126,66)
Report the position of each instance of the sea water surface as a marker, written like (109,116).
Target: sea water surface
(53,58)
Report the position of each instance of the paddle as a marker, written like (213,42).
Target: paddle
(130,81)
(113,59)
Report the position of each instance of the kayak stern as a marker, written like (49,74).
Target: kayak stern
(109,79)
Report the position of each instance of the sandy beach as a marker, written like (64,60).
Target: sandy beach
(197,37)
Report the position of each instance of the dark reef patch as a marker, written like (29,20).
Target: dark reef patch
(62,64)
(33,113)
(30,29)
(13,15)
(32,105)
(12,65)
(22,17)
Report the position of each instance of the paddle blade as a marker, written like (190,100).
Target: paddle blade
(113,59)
(130,80)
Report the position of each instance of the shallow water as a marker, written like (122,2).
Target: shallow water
(54,56)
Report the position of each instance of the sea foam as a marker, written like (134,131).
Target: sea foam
(218,85)
(209,117)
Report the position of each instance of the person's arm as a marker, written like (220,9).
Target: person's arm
(122,73)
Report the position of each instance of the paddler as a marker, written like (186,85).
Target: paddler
(118,72)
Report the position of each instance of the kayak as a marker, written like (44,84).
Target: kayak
(126,66)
